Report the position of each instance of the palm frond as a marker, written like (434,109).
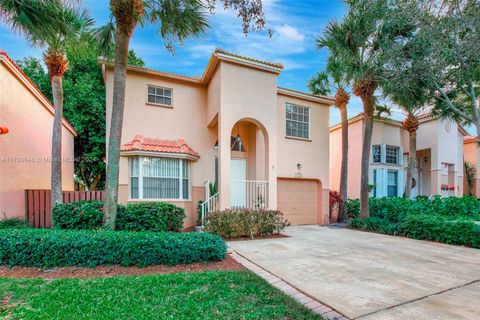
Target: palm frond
(178,19)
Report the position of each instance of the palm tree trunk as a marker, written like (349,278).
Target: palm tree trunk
(56,176)
(122,41)
(344,169)
(365,166)
(412,162)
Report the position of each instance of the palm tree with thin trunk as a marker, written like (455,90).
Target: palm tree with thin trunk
(364,42)
(50,24)
(178,20)
(324,83)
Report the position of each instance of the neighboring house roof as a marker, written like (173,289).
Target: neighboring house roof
(361,116)
(19,74)
(469,139)
(222,55)
(141,144)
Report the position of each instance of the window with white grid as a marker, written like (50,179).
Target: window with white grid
(298,121)
(159,178)
(160,95)
(377,153)
(392,155)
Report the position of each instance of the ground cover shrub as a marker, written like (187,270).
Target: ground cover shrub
(230,224)
(435,228)
(60,248)
(78,215)
(353,208)
(150,216)
(9,223)
(141,216)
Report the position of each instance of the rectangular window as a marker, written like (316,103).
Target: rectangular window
(160,95)
(392,155)
(377,153)
(392,183)
(159,178)
(374,183)
(298,121)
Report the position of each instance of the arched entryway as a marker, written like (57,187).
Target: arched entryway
(248,165)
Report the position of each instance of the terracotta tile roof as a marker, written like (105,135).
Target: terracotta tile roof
(141,143)
(308,94)
(469,139)
(25,77)
(271,64)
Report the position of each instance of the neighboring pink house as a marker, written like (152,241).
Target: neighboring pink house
(471,153)
(25,147)
(265,146)
(439,157)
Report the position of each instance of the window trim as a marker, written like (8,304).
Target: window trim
(397,183)
(156,103)
(309,122)
(397,162)
(140,180)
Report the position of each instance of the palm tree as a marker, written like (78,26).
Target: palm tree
(322,83)
(470,172)
(50,24)
(365,42)
(178,20)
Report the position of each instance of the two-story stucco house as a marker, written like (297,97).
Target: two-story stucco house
(264,146)
(26,117)
(439,167)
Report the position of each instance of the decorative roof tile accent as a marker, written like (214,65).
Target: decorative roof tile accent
(332,99)
(4,130)
(141,143)
(469,139)
(271,64)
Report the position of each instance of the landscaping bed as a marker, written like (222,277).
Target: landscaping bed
(109,271)
(63,248)
(206,295)
(446,220)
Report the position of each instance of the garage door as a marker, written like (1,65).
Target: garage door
(298,200)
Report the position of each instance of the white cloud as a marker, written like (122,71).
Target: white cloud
(290,33)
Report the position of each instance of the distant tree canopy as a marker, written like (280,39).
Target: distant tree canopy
(84,106)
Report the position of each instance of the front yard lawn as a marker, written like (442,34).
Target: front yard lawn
(208,295)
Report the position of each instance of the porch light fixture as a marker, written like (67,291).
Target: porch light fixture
(237,142)
(299,166)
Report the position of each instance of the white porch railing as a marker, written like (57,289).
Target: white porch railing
(210,205)
(245,194)
(249,194)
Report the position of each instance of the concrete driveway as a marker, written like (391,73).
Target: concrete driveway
(371,276)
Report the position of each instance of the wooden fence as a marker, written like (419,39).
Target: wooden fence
(38,210)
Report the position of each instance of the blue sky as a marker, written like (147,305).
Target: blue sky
(295,26)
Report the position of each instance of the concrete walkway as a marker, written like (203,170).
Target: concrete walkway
(371,276)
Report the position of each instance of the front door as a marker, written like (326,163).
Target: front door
(238,176)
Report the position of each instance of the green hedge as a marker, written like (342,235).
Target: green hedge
(231,224)
(142,216)
(396,209)
(424,227)
(61,248)
(8,223)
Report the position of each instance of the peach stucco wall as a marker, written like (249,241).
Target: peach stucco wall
(471,152)
(25,151)
(236,100)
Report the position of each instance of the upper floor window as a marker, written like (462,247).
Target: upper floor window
(160,95)
(159,178)
(385,154)
(298,121)
(392,155)
(377,153)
